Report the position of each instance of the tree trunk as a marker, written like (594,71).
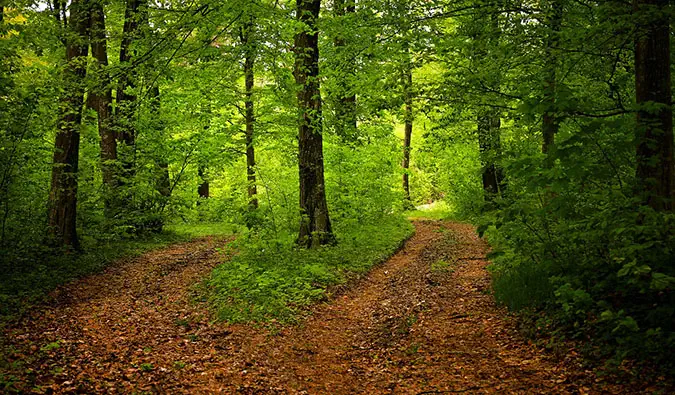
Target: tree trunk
(203,188)
(100,99)
(488,119)
(62,204)
(654,130)
(134,14)
(249,81)
(407,87)
(315,226)
(162,179)
(346,105)
(550,121)
(489,143)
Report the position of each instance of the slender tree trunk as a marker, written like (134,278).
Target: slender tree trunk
(315,226)
(203,188)
(100,99)
(489,142)
(62,204)
(655,172)
(408,97)
(162,179)
(488,120)
(134,15)
(249,81)
(550,121)
(346,105)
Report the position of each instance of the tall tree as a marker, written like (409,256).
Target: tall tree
(247,41)
(408,128)
(203,187)
(100,99)
(655,170)
(488,122)
(135,15)
(315,225)
(489,144)
(63,191)
(553,23)
(346,103)
(162,178)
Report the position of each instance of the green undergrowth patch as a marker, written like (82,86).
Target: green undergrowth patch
(437,210)
(26,277)
(195,230)
(277,281)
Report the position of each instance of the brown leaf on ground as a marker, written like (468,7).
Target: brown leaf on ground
(411,326)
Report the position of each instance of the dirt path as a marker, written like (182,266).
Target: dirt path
(423,322)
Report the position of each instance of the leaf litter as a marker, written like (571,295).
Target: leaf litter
(423,322)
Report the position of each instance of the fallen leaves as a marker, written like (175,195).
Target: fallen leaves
(404,328)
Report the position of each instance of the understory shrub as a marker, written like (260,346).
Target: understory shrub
(599,264)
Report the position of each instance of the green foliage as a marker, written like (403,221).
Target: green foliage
(570,239)
(436,210)
(273,279)
(599,263)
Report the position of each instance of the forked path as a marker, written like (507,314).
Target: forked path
(423,322)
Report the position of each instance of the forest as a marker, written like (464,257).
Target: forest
(269,159)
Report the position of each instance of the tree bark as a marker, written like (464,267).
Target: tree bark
(654,131)
(134,15)
(489,143)
(162,179)
(249,81)
(62,213)
(203,188)
(315,225)
(100,99)
(550,121)
(346,105)
(488,120)
(408,97)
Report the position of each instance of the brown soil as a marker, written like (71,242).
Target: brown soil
(424,322)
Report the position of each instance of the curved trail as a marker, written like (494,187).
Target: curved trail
(423,322)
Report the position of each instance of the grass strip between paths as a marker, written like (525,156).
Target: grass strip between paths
(266,281)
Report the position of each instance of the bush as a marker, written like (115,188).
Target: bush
(598,263)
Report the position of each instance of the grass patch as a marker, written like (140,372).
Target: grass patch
(437,210)
(268,281)
(28,276)
(202,229)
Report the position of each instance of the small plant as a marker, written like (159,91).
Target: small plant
(412,349)
(51,346)
(146,367)
(185,323)
(441,266)
(178,364)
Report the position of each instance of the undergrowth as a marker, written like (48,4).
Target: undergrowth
(27,277)
(436,210)
(275,280)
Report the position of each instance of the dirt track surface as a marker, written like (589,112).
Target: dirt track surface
(424,322)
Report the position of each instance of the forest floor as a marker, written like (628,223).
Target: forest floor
(424,322)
